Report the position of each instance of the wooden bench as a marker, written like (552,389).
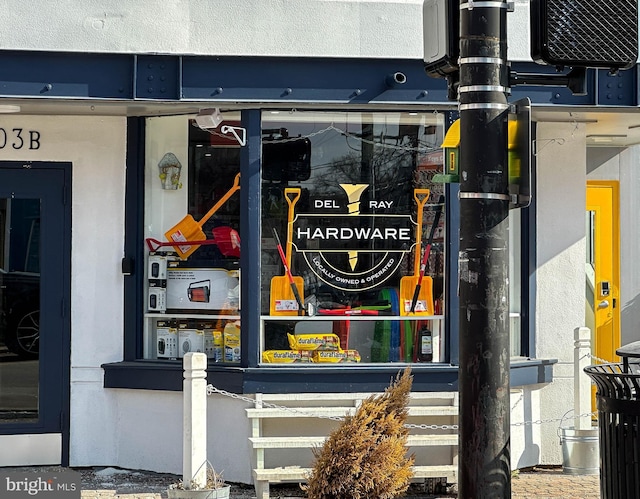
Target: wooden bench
(302,421)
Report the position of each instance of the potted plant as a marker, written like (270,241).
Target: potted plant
(214,488)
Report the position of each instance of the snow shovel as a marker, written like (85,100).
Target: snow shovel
(423,266)
(282,287)
(291,194)
(188,230)
(408,283)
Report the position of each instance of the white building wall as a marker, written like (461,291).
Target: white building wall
(630,245)
(560,276)
(322,28)
(96,148)
(609,163)
(142,429)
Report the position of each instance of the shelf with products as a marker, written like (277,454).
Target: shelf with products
(192,307)
(332,339)
(172,335)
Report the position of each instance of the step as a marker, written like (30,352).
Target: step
(300,474)
(285,397)
(310,442)
(337,412)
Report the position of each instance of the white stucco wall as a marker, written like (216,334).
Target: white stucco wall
(560,277)
(630,245)
(96,148)
(142,429)
(129,428)
(323,28)
(608,163)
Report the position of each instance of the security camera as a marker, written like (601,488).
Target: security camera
(208,119)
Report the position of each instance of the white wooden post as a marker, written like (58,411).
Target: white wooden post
(194,418)
(581,382)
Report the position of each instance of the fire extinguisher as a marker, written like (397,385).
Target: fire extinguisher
(425,345)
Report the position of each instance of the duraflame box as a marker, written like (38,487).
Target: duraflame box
(334,356)
(286,356)
(200,289)
(314,341)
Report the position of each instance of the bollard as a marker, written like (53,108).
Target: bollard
(194,421)
(580,452)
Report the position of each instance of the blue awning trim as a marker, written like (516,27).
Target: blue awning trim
(170,78)
(167,375)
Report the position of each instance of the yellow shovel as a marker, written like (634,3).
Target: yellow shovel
(189,230)
(284,289)
(408,284)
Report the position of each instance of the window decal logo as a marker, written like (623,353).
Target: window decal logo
(353,245)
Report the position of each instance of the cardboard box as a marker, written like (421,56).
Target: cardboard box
(201,289)
(157,300)
(167,340)
(190,340)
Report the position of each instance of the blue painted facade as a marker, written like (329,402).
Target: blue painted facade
(245,80)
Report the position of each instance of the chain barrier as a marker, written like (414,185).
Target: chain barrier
(597,359)
(212,389)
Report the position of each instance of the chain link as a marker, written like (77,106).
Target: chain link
(432,426)
(597,359)
(212,389)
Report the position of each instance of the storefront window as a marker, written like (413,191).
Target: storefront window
(348,205)
(192,224)
(352,238)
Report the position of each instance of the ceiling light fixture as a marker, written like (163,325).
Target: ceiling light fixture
(9,108)
(605,139)
(568,120)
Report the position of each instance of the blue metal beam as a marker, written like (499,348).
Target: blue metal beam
(355,82)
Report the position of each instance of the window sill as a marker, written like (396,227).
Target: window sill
(167,375)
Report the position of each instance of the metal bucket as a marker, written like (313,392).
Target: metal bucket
(580,451)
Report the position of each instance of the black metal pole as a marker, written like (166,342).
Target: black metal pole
(484,452)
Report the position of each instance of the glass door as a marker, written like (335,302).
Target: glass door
(20,309)
(34,290)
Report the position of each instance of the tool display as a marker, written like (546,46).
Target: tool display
(286,288)
(188,233)
(408,283)
(428,295)
(287,291)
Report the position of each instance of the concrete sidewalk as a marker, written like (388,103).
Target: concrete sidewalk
(552,483)
(535,483)
(115,483)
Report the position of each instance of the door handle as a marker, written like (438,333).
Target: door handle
(603,304)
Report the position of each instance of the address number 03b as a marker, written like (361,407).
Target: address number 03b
(19,138)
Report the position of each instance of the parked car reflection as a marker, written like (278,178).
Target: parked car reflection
(20,313)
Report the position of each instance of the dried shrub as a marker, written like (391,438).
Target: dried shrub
(365,457)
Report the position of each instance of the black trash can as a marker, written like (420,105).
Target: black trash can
(618,403)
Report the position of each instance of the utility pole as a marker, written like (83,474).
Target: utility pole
(484,449)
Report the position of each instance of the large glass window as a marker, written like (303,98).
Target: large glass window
(352,255)
(352,252)
(351,220)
